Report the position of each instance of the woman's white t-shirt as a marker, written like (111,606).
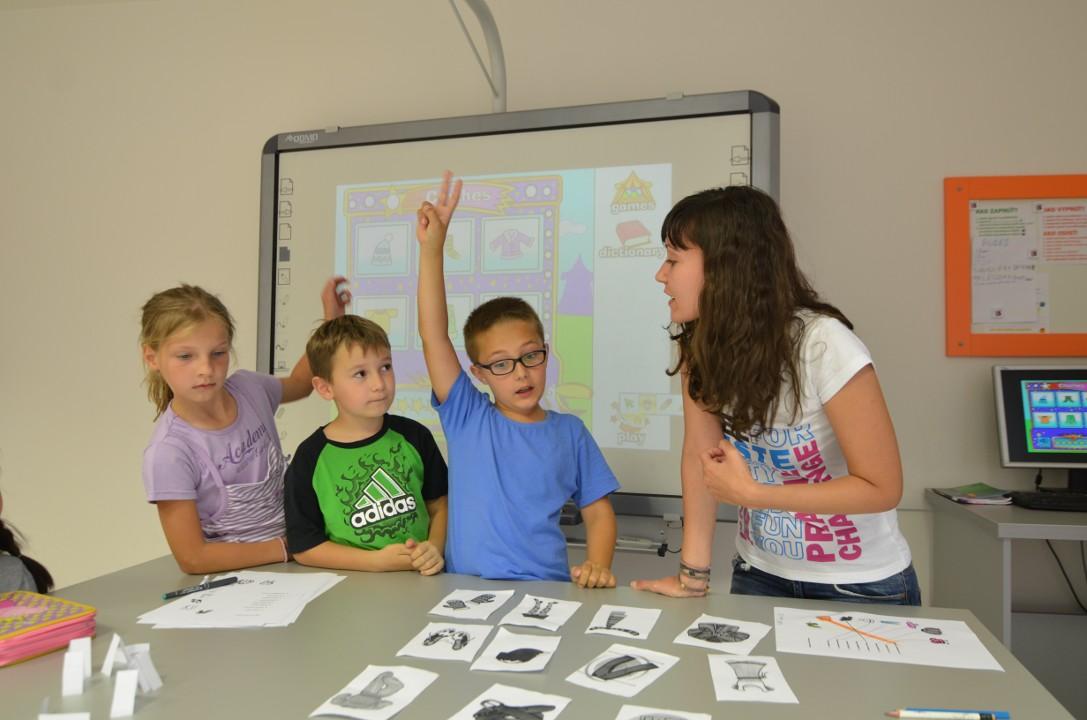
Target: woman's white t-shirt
(837,549)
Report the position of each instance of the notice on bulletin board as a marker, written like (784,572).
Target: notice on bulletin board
(1015,245)
(1017,265)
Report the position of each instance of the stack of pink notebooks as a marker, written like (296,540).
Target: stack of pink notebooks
(32,624)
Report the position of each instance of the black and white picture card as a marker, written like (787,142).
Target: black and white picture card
(633,623)
(736,637)
(447,641)
(471,604)
(377,693)
(535,611)
(638,712)
(749,679)
(500,702)
(517,652)
(623,670)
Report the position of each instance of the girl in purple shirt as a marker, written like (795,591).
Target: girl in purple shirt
(214,466)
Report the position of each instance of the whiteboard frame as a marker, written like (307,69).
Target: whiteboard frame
(765,161)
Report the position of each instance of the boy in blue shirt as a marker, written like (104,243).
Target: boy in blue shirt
(512,464)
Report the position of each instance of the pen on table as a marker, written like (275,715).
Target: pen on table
(947,714)
(198,588)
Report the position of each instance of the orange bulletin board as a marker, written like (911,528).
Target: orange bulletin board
(1016,265)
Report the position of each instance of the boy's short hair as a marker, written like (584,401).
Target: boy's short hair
(340,332)
(491,313)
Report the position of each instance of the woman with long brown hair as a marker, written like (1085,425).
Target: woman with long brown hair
(783,416)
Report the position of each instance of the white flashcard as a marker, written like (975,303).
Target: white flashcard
(623,621)
(71,679)
(541,612)
(447,641)
(83,647)
(471,604)
(637,712)
(115,655)
(124,693)
(148,676)
(378,692)
(737,637)
(504,701)
(623,670)
(751,678)
(517,652)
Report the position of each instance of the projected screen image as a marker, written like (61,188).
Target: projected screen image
(568,219)
(504,239)
(1055,416)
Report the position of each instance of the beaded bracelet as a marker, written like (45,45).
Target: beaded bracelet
(701,576)
(693,572)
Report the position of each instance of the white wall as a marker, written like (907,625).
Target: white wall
(129,145)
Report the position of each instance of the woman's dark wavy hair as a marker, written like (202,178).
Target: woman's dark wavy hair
(8,543)
(744,348)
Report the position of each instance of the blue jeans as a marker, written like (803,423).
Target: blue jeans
(898,589)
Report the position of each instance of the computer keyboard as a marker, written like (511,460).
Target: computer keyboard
(1036,500)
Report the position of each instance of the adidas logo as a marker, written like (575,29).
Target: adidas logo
(381,498)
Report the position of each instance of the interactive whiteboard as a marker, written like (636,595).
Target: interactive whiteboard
(562,207)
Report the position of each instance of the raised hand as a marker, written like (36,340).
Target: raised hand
(433,219)
(335,297)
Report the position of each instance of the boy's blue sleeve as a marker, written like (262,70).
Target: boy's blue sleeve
(462,405)
(595,478)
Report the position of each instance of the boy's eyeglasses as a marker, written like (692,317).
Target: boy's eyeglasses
(506,366)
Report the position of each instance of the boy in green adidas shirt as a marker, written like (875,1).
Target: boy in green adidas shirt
(367,491)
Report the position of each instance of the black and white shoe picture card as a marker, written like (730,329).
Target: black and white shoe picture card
(447,641)
(517,652)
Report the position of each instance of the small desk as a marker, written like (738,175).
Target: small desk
(288,672)
(972,554)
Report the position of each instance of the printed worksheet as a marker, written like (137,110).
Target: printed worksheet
(883,638)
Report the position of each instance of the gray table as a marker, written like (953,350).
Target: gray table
(288,672)
(972,554)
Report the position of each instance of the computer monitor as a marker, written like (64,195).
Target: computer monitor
(1042,417)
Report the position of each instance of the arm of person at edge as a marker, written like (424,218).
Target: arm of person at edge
(299,384)
(195,556)
(701,430)
(442,362)
(595,572)
(861,422)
